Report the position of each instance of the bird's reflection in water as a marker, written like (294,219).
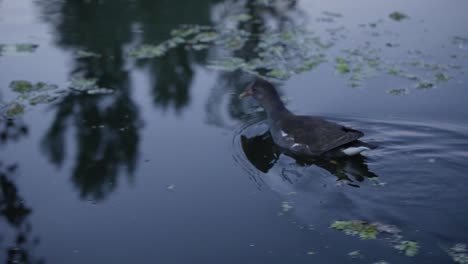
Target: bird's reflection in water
(264,154)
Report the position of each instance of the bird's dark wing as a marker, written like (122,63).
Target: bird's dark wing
(318,134)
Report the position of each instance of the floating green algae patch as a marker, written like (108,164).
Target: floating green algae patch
(409,248)
(88,85)
(18,48)
(441,77)
(459,253)
(342,66)
(82,54)
(23,87)
(148,51)
(398,16)
(363,229)
(14,110)
(425,85)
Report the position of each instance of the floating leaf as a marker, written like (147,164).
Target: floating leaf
(393,71)
(26,47)
(425,85)
(15,110)
(409,248)
(99,90)
(399,91)
(41,99)
(86,54)
(355,254)
(459,253)
(21,86)
(441,77)
(342,66)
(332,14)
(286,206)
(24,87)
(363,229)
(227,64)
(398,16)
(82,84)
(240,17)
(279,74)
(148,51)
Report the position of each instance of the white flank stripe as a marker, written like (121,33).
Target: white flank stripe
(354,150)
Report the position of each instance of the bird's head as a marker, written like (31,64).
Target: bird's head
(261,90)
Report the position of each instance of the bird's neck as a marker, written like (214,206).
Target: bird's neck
(275,109)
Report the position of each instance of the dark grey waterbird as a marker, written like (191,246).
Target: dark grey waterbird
(304,135)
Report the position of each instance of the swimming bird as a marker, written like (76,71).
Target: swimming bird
(304,135)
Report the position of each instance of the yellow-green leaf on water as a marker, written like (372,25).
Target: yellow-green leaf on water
(363,229)
(21,86)
(279,74)
(342,66)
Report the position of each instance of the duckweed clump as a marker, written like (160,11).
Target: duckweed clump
(357,228)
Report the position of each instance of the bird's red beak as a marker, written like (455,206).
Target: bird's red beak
(247,92)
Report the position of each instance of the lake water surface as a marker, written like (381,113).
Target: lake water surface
(171,167)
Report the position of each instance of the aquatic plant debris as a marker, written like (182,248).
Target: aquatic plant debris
(398,16)
(14,110)
(409,248)
(363,229)
(88,85)
(286,206)
(398,91)
(441,77)
(459,253)
(82,54)
(23,87)
(18,48)
(355,254)
(280,53)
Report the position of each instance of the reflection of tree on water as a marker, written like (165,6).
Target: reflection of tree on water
(106,127)
(172,74)
(263,154)
(15,213)
(12,130)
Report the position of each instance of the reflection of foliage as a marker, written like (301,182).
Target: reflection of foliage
(15,212)
(107,138)
(12,130)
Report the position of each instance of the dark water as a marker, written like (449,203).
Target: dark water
(173,168)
